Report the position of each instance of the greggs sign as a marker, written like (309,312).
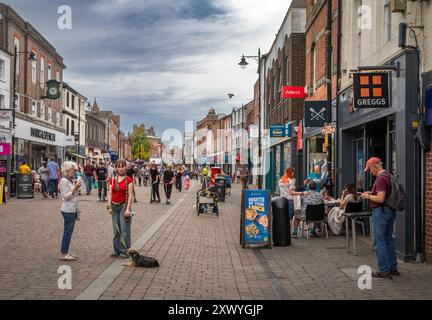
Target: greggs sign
(293,92)
(371,90)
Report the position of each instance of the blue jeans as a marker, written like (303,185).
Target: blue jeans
(383,219)
(291,209)
(53,187)
(122,240)
(89,183)
(69,224)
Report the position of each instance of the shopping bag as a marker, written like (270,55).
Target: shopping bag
(95,185)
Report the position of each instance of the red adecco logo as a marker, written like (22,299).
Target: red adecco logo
(293,92)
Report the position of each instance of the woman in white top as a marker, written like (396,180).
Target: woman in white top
(69,187)
(287,189)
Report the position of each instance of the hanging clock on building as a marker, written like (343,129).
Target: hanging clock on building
(53,90)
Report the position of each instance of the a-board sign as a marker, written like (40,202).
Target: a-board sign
(25,186)
(256,219)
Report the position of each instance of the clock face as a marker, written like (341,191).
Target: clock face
(52,91)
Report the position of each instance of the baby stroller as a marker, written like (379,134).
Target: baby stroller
(207,200)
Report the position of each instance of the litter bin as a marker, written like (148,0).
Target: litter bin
(220,187)
(281,222)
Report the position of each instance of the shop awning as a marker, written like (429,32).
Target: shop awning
(76,155)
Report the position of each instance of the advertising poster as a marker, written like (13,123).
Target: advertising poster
(256,222)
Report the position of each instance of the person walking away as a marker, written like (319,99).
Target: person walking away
(101,176)
(120,193)
(155,181)
(69,188)
(89,176)
(287,187)
(168,181)
(44,178)
(228,184)
(110,170)
(130,172)
(179,175)
(54,173)
(383,218)
(244,177)
(24,168)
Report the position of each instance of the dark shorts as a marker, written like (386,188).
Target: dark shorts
(228,185)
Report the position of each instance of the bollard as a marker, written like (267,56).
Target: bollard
(281,222)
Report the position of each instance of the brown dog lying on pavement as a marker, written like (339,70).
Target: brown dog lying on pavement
(141,261)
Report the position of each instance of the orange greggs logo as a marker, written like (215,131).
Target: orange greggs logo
(371,90)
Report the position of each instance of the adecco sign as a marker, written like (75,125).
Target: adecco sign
(371,90)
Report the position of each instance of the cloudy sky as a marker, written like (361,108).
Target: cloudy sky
(159,62)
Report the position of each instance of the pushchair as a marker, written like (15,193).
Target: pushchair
(207,199)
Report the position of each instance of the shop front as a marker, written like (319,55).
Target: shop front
(35,144)
(282,155)
(387,132)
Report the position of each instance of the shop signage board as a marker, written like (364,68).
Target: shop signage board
(5,118)
(25,186)
(289,92)
(277,131)
(371,90)
(281,131)
(315,114)
(256,219)
(5,149)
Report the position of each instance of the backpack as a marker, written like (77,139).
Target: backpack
(397,198)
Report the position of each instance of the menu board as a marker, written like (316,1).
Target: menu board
(25,186)
(256,219)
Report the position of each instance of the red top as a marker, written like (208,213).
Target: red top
(382,184)
(119,196)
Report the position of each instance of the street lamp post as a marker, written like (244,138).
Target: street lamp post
(14,98)
(243,64)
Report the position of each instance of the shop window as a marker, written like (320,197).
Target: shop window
(34,110)
(316,153)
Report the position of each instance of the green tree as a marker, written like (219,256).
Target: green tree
(140,145)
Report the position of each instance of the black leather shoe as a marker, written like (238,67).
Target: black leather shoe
(395,273)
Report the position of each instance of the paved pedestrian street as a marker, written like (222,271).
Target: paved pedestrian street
(200,257)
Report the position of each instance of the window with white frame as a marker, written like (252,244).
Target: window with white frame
(58,119)
(49,71)
(2,101)
(42,72)
(42,110)
(17,46)
(49,114)
(2,70)
(34,108)
(58,76)
(33,72)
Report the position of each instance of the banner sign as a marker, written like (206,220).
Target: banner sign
(315,114)
(289,92)
(281,131)
(256,219)
(371,90)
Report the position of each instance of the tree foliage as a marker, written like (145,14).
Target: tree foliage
(140,144)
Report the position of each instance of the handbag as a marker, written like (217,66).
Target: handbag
(297,203)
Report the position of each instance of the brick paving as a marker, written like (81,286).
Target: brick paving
(200,257)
